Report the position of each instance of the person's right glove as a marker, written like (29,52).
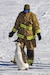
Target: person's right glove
(11,34)
(39,36)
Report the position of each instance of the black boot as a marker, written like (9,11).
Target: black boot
(30,55)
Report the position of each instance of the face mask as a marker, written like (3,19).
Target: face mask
(26,11)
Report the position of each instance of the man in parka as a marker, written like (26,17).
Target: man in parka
(27,27)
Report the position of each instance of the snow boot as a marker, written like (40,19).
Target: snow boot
(30,55)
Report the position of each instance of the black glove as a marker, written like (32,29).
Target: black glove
(11,34)
(39,36)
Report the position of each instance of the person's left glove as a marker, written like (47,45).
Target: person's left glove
(39,36)
(11,34)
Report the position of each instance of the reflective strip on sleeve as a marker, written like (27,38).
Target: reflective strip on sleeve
(38,31)
(20,36)
(26,27)
(14,29)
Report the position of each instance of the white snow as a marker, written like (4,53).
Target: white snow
(9,10)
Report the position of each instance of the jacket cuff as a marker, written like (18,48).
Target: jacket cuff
(38,31)
(14,30)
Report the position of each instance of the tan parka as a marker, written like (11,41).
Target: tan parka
(27,27)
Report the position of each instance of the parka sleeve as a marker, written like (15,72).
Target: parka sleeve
(17,22)
(36,24)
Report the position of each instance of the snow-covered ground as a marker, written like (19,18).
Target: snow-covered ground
(9,10)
